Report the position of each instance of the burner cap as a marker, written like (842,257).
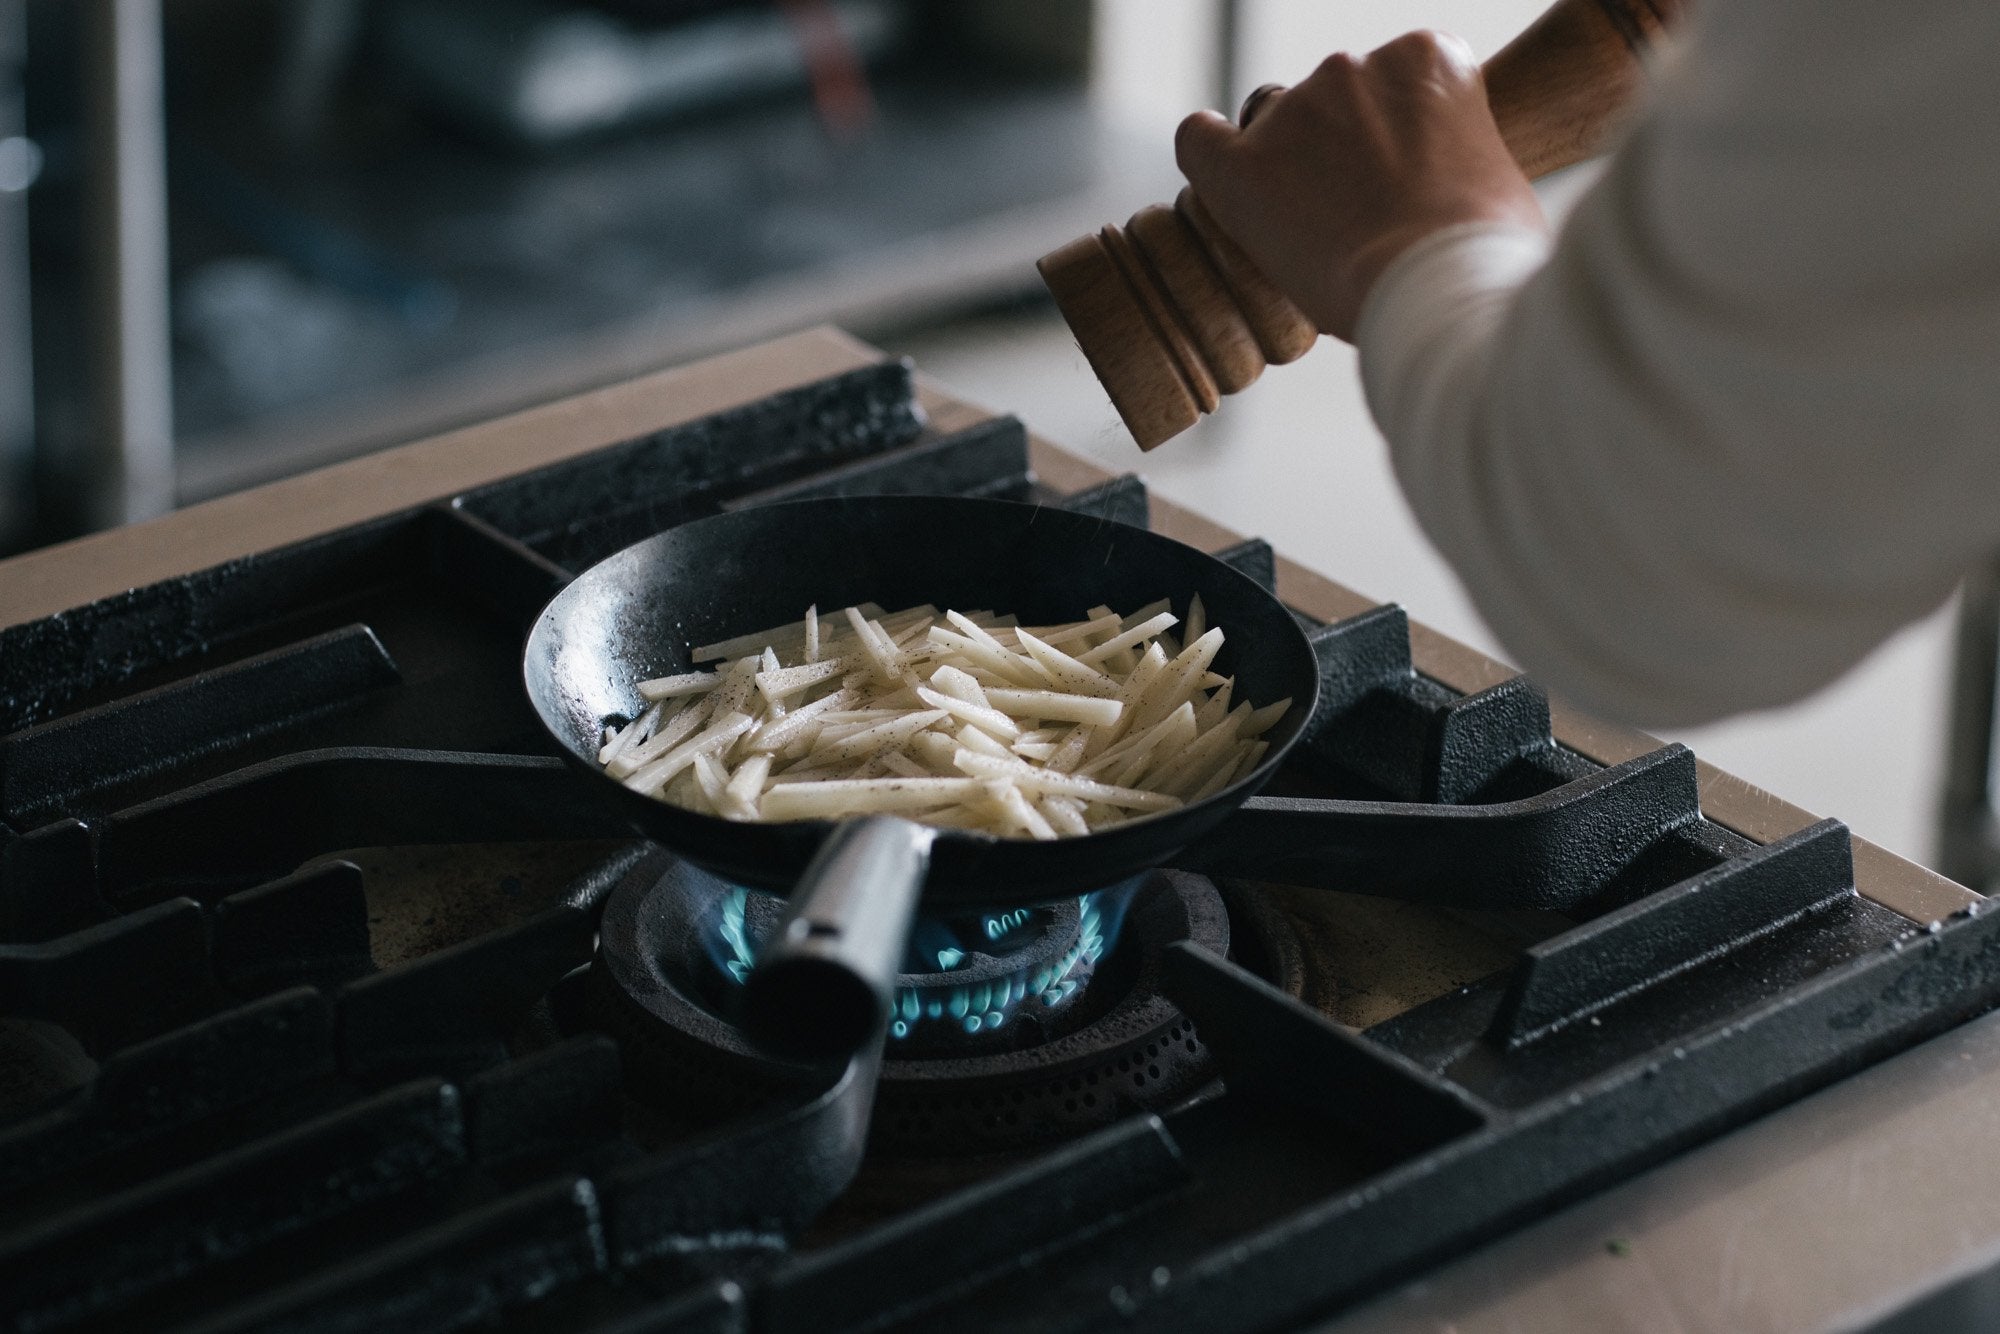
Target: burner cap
(992,981)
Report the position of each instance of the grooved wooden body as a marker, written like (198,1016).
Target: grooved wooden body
(1172,315)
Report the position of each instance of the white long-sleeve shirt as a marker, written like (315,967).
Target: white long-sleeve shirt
(1742,420)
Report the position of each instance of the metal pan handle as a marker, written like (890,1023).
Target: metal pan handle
(822,985)
(1553,851)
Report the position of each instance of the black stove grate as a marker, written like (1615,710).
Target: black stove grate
(240,1089)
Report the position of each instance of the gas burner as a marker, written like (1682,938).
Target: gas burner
(1011,1028)
(992,981)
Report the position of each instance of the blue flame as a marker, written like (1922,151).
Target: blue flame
(1005,923)
(985,1006)
(975,1008)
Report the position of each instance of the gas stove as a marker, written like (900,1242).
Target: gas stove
(329,1000)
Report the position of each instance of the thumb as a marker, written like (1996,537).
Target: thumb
(1200,143)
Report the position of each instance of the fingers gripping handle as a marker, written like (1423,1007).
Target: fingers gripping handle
(1172,315)
(822,984)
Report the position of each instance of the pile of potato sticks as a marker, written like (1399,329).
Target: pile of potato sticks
(956,719)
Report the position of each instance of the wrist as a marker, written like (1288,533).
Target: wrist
(1434,294)
(1363,270)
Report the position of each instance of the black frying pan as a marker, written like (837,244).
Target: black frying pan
(854,887)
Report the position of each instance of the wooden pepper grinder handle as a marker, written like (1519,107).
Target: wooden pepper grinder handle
(1172,315)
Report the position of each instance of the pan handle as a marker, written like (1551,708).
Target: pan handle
(1552,851)
(823,982)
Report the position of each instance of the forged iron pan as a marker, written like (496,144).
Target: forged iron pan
(635,616)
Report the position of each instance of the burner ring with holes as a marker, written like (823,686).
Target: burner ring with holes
(986,982)
(1119,1043)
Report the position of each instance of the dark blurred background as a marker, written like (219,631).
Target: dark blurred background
(242,237)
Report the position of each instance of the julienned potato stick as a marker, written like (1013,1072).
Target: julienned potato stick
(988,720)
(963,720)
(776,685)
(622,739)
(1218,706)
(1076,677)
(896,762)
(992,655)
(798,724)
(1192,765)
(1054,706)
(1178,681)
(746,786)
(1058,635)
(1068,785)
(833,798)
(656,775)
(669,687)
(960,684)
(669,731)
(711,777)
(1264,719)
(1065,813)
(1144,630)
(1172,734)
(1124,750)
(1015,809)
(879,738)
(1142,676)
(935,749)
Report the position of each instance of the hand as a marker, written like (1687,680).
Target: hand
(1335,177)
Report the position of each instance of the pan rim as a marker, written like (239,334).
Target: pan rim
(1293,725)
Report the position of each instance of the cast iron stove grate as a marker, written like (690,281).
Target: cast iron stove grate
(280,1049)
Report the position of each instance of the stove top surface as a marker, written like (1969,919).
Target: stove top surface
(329,999)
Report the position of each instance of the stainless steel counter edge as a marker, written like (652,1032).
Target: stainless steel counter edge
(1819,1217)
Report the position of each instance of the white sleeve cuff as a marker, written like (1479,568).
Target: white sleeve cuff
(1426,323)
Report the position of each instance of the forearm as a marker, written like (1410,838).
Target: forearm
(1745,421)
(1741,426)
(1506,473)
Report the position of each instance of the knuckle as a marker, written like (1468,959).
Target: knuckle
(1193,139)
(1340,67)
(1452,51)
(1418,46)
(1429,49)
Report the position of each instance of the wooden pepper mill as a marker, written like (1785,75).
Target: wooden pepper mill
(1172,315)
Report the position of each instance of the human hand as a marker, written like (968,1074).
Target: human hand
(1336,176)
